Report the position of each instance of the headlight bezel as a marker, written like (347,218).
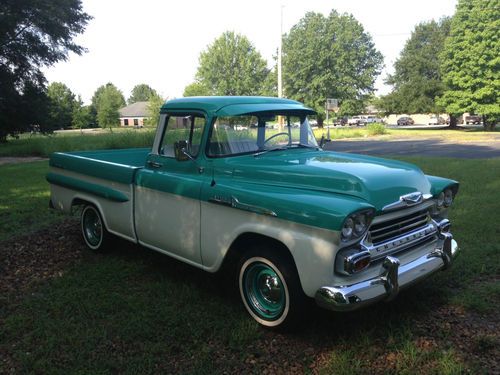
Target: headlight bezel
(361,219)
(445,198)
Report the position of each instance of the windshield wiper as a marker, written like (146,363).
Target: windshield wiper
(270,149)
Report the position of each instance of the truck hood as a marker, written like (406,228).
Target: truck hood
(375,180)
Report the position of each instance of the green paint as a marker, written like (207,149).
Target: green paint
(113,165)
(212,104)
(86,187)
(439,184)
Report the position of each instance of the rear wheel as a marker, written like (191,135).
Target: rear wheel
(94,232)
(270,288)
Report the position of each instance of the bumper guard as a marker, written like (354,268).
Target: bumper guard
(391,279)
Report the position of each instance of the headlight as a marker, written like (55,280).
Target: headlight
(347,229)
(448,197)
(440,200)
(359,224)
(356,225)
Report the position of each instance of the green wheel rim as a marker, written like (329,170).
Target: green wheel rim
(264,291)
(92,227)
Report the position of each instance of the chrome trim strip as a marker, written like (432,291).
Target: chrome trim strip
(235,203)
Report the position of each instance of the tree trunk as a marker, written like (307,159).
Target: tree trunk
(453,122)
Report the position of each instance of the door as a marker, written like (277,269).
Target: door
(167,199)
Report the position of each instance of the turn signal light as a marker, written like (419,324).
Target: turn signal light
(356,262)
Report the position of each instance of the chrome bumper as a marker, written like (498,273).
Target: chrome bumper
(391,279)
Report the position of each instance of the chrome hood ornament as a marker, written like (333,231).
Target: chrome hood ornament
(407,200)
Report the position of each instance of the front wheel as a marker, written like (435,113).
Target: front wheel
(94,232)
(270,289)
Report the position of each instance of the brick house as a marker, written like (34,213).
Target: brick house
(134,114)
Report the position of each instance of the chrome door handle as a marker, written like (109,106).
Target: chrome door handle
(154,164)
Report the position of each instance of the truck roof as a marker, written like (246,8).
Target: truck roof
(216,103)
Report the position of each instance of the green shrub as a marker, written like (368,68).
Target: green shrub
(376,129)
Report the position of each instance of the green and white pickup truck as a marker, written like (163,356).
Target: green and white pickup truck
(239,184)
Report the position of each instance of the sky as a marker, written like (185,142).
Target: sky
(159,42)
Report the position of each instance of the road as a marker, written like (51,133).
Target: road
(422,147)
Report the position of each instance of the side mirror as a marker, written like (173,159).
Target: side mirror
(180,150)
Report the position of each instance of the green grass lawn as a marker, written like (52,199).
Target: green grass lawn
(40,145)
(459,135)
(136,311)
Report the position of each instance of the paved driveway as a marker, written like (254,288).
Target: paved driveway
(423,147)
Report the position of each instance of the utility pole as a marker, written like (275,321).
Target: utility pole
(280,76)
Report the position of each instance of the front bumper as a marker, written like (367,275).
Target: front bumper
(391,279)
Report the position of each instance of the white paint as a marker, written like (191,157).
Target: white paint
(168,222)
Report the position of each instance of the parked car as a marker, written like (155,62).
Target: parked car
(340,121)
(436,120)
(283,219)
(372,119)
(356,120)
(405,120)
(473,119)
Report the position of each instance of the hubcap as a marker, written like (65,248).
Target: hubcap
(263,291)
(92,227)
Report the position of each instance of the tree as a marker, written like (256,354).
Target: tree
(196,89)
(62,103)
(33,34)
(82,116)
(154,106)
(230,66)
(106,102)
(417,78)
(141,93)
(329,57)
(470,61)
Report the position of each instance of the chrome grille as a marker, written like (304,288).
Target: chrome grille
(397,227)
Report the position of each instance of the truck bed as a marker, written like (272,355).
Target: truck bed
(115,165)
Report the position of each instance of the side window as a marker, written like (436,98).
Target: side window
(187,128)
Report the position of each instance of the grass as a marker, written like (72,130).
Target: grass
(24,202)
(446,135)
(45,145)
(136,311)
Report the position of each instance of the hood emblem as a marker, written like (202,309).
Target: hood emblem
(412,198)
(407,200)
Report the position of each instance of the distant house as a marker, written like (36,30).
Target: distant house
(134,114)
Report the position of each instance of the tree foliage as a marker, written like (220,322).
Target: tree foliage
(230,66)
(106,102)
(471,61)
(329,57)
(196,89)
(33,34)
(141,93)
(417,79)
(62,104)
(82,116)
(154,106)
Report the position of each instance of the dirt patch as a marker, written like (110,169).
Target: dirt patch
(20,159)
(28,261)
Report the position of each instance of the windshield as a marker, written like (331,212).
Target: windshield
(235,135)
